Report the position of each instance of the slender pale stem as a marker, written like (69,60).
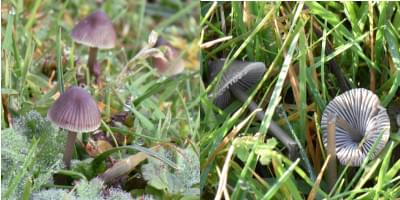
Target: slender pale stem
(273,127)
(69,148)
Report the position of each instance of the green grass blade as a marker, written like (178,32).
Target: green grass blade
(383,170)
(271,192)
(60,77)
(394,51)
(177,16)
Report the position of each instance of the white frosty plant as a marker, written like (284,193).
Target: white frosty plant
(182,181)
(15,144)
(84,190)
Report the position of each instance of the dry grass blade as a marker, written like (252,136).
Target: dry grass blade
(313,191)
(294,82)
(214,42)
(226,194)
(224,174)
(372,84)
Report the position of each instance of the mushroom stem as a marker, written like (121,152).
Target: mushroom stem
(92,60)
(273,127)
(332,173)
(69,148)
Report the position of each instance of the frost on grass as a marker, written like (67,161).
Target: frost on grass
(15,144)
(85,190)
(183,180)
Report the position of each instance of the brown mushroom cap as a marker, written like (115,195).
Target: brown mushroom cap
(96,30)
(240,74)
(75,110)
(359,120)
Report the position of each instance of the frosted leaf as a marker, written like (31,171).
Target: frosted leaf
(85,190)
(176,181)
(89,190)
(53,194)
(118,194)
(32,124)
(46,176)
(51,144)
(14,148)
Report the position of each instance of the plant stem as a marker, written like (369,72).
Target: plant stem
(273,127)
(69,148)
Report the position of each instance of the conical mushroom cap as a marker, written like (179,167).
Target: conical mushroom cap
(359,120)
(240,74)
(96,30)
(75,110)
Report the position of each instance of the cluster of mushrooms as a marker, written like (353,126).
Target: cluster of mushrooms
(75,110)
(360,118)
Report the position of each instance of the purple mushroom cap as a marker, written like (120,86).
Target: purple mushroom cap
(75,110)
(96,30)
(360,119)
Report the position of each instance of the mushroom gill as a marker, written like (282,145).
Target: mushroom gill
(360,121)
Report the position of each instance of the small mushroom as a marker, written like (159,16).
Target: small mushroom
(236,80)
(359,120)
(75,111)
(173,64)
(97,32)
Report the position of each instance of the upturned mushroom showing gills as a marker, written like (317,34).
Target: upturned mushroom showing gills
(234,84)
(97,32)
(173,64)
(75,111)
(360,119)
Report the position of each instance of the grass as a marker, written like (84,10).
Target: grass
(312,51)
(40,61)
(157,133)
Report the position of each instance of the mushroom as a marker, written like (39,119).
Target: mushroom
(173,64)
(236,80)
(360,119)
(97,32)
(75,111)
